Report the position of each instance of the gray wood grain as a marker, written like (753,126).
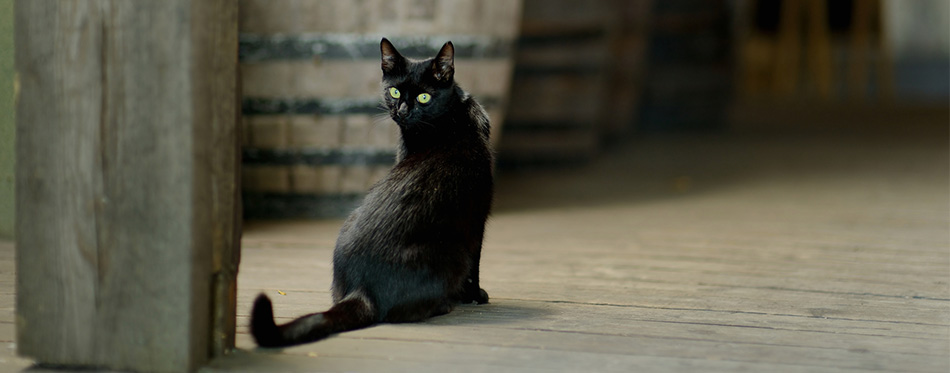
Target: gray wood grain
(126,162)
(58,119)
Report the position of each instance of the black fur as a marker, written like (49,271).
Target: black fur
(411,250)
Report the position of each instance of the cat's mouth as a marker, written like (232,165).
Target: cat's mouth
(401,120)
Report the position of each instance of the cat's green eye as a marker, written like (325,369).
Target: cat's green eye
(424,98)
(394,92)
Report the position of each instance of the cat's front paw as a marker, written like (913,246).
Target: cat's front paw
(473,295)
(482,297)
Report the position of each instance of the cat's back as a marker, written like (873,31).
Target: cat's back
(451,182)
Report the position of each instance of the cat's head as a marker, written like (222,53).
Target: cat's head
(417,92)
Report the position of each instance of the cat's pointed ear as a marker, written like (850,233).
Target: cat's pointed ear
(392,60)
(443,66)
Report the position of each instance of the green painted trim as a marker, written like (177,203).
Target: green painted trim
(7,122)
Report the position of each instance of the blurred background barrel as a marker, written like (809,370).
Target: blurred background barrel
(315,135)
(688,85)
(559,85)
(626,69)
(578,74)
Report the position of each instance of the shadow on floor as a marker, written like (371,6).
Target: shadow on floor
(675,166)
(496,312)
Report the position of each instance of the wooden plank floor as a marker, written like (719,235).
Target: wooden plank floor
(775,252)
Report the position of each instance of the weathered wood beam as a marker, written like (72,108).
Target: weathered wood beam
(126,180)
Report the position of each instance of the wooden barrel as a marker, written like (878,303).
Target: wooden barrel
(689,84)
(315,136)
(559,85)
(626,68)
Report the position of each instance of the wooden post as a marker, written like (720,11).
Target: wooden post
(126,181)
(865,14)
(216,47)
(786,72)
(860,49)
(819,48)
(885,56)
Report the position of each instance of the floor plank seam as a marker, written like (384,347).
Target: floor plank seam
(722,311)
(612,335)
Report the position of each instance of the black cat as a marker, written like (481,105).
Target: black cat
(411,250)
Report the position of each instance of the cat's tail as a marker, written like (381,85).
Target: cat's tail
(351,313)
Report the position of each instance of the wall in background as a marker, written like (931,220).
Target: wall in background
(920,37)
(919,28)
(6,119)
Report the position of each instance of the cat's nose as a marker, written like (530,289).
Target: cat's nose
(403,110)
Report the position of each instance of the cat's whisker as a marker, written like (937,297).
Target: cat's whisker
(381,120)
(381,117)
